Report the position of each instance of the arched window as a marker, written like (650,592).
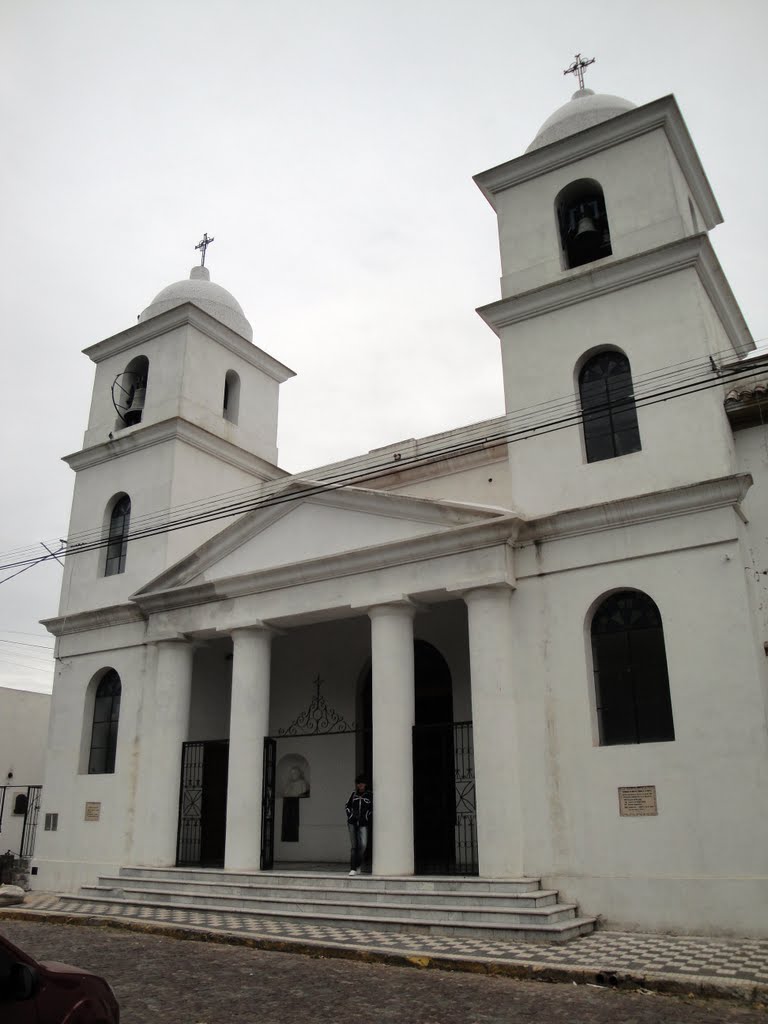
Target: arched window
(117,539)
(609,416)
(583,223)
(630,665)
(231,404)
(129,392)
(106,716)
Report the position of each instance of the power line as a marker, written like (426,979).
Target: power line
(20,643)
(684,378)
(16,556)
(30,668)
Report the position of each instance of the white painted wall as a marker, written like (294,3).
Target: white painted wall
(657,324)
(168,475)
(186,378)
(23,732)
(80,849)
(683,870)
(646,200)
(752,457)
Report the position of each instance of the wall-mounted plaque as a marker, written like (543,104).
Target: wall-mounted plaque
(637,801)
(92,811)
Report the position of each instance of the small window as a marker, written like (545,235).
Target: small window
(117,538)
(582,220)
(630,666)
(231,405)
(609,416)
(106,716)
(20,803)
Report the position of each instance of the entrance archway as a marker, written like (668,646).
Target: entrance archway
(434,792)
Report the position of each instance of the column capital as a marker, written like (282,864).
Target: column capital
(478,591)
(172,638)
(251,629)
(394,606)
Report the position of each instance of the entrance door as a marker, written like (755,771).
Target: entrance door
(434,803)
(214,811)
(203,804)
(434,778)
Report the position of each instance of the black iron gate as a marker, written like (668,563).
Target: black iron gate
(202,804)
(444,825)
(29,828)
(268,805)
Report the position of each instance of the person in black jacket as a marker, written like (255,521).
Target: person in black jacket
(359,809)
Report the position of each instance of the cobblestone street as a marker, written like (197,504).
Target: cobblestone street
(163,979)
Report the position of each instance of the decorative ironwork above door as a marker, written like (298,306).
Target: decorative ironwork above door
(318,719)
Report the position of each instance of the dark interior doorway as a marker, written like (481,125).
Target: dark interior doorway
(203,803)
(434,789)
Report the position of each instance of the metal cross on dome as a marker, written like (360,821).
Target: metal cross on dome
(577,68)
(203,244)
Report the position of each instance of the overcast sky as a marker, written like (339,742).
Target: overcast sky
(329,147)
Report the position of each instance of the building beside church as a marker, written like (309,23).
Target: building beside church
(23,732)
(542,635)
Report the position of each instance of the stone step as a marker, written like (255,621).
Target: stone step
(538,931)
(312,905)
(360,891)
(318,880)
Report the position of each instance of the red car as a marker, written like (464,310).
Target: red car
(32,992)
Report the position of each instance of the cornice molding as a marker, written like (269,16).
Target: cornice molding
(721,492)
(692,253)
(180,316)
(96,618)
(174,429)
(508,530)
(662,114)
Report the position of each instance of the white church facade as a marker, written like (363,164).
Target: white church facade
(542,636)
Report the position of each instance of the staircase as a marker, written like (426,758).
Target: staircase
(507,909)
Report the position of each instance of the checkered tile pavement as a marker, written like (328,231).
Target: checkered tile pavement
(724,961)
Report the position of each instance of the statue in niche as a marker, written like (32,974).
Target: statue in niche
(295,787)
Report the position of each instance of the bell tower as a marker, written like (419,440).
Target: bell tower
(184,410)
(608,281)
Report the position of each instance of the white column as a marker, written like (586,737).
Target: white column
(494,726)
(393,707)
(164,728)
(248,725)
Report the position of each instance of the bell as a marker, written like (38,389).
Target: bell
(132,414)
(585,230)
(137,399)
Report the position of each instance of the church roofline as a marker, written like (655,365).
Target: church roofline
(501,529)
(663,113)
(694,252)
(179,316)
(397,506)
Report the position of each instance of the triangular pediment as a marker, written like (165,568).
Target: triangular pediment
(305,521)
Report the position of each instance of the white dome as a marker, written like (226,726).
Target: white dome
(584,109)
(210,297)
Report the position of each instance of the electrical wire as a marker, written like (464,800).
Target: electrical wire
(678,380)
(19,643)
(564,404)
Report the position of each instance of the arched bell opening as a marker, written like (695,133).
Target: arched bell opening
(582,220)
(129,392)
(231,403)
